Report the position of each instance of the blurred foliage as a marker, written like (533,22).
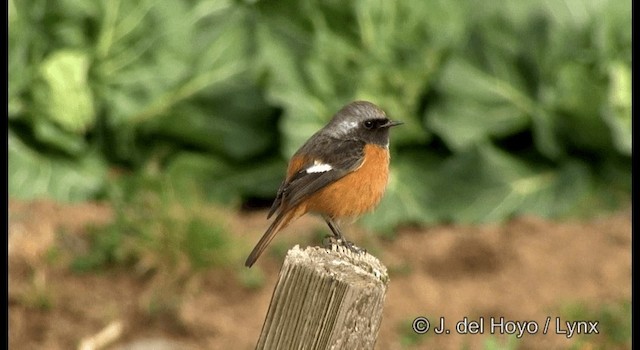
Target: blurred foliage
(509,107)
(409,338)
(614,324)
(157,231)
(167,238)
(510,342)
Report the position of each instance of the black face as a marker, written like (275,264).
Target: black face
(361,120)
(373,124)
(375,130)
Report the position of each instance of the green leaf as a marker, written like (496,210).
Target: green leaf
(485,184)
(237,124)
(278,39)
(194,173)
(579,98)
(221,181)
(617,112)
(49,133)
(62,94)
(20,71)
(485,106)
(34,175)
(157,62)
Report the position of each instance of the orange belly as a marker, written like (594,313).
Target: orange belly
(357,192)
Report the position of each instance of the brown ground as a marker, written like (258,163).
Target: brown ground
(526,269)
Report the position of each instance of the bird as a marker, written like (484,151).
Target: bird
(340,172)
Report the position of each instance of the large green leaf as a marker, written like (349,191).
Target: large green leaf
(280,41)
(63,110)
(485,106)
(62,94)
(219,180)
(579,99)
(236,123)
(617,113)
(485,184)
(156,60)
(20,71)
(34,175)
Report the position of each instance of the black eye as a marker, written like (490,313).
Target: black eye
(369,124)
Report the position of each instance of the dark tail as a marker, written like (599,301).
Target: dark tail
(280,221)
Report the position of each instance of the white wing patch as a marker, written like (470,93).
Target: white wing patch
(318,167)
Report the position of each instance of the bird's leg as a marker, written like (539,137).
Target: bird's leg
(336,237)
(334,228)
(339,237)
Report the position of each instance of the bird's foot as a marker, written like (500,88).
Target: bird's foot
(332,240)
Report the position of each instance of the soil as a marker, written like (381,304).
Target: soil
(527,269)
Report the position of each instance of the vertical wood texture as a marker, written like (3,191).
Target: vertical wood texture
(326,298)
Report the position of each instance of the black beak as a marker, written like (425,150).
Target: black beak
(391,123)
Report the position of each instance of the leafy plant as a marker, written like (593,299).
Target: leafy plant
(614,324)
(509,108)
(493,343)
(408,337)
(155,230)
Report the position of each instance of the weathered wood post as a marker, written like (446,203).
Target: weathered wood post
(326,298)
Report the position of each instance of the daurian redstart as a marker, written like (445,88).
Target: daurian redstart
(340,172)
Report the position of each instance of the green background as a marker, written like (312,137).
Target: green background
(510,107)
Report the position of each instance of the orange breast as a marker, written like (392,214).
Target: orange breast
(357,192)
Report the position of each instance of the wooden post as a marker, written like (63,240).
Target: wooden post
(326,298)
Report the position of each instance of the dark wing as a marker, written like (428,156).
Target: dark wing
(278,200)
(344,156)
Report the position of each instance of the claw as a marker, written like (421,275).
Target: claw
(352,247)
